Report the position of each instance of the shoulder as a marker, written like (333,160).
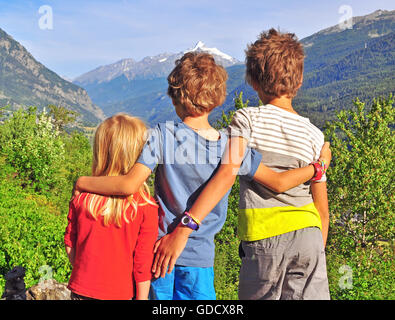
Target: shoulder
(242,117)
(246,112)
(166,130)
(77,201)
(316,134)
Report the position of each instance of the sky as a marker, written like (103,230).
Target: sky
(72,37)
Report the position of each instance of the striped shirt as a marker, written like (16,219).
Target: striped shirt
(286,141)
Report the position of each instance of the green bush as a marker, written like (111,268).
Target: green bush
(361,199)
(227,262)
(38,166)
(31,233)
(33,147)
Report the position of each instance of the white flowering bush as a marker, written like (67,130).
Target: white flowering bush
(32,145)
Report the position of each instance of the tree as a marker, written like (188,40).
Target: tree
(226,119)
(360,179)
(62,116)
(32,146)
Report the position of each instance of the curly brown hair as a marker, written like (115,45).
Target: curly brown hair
(197,84)
(275,63)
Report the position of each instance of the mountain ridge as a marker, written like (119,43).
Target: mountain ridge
(333,55)
(149,67)
(24,82)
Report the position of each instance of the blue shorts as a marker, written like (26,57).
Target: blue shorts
(184,283)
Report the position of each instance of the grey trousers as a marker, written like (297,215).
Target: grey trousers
(290,266)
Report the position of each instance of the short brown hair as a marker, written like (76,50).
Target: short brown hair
(197,84)
(275,63)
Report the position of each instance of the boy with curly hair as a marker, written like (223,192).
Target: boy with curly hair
(283,234)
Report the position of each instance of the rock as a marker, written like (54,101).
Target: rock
(15,285)
(48,290)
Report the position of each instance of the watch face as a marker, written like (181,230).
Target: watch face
(185,220)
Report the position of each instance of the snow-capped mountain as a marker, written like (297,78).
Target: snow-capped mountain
(221,58)
(106,73)
(150,67)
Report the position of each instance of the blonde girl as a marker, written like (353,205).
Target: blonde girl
(110,240)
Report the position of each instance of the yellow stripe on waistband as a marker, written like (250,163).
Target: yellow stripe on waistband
(257,224)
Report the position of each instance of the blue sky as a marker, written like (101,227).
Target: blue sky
(87,33)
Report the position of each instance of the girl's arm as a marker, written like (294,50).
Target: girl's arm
(169,247)
(70,254)
(142,290)
(320,197)
(114,186)
(143,254)
(70,234)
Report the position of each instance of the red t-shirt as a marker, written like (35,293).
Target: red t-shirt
(108,259)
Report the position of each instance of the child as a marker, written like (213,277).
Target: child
(282,247)
(186,155)
(109,240)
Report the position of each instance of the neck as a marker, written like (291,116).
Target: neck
(282,102)
(200,122)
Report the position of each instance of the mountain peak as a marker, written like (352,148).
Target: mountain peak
(224,58)
(200,44)
(149,67)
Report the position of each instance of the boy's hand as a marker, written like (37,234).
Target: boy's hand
(167,249)
(326,153)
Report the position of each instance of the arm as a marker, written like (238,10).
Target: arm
(282,181)
(142,290)
(143,254)
(114,186)
(70,254)
(169,247)
(130,183)
(320,197)
(70,235)
(224,179)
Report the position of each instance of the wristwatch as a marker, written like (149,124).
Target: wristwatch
(188,221)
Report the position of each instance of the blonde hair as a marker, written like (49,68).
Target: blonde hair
(117,145)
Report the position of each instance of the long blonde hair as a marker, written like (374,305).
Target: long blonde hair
(117,145)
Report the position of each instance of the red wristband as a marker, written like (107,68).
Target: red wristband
(318,171)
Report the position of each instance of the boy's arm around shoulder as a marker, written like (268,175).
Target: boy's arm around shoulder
(128,184)
(280,182)
(123,185)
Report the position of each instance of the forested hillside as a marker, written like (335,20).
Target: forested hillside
(339,66)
